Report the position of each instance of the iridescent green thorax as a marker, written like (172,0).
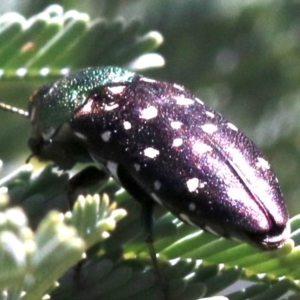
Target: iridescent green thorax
(55,104)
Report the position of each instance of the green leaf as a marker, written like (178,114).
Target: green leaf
(53,40)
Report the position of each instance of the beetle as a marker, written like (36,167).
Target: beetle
(163,145)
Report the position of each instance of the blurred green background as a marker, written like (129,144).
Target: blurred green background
(240,57)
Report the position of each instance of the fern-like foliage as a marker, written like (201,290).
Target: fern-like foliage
(53,41)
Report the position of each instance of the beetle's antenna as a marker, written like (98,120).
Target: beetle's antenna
(14,110)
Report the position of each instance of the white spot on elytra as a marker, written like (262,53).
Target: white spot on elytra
(209,128)
(192,206)
(145,79)
(183,101)
(186,219)
(80,135)
(127,125)
(116,89)
(137,167)
(106,136)
(202,184)
(210,114)
(231,126)
(201,148)
(112,168)
(176,124)
(177,142)
(192,184)
(151,152)
(157,185)
(179,87)
(156,198)
(149,113)
(262,163)
(199,101)
(111,107)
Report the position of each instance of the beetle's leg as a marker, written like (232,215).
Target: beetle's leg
(147,203)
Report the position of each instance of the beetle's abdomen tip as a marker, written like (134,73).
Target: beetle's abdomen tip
(276,238)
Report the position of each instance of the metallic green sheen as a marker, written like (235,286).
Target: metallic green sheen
(55,104)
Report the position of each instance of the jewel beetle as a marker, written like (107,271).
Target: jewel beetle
(164,145)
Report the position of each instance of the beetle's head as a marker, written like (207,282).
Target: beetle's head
(51,108)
